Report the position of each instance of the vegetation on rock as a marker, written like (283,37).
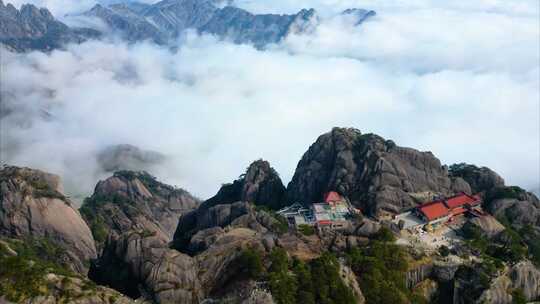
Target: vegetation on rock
(22,276)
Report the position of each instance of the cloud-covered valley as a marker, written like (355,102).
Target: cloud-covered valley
(461,80)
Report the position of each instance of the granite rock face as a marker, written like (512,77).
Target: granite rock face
(32,205)
(470,286)
(132,200)
(526,277)
(32,28)
(488,225)
(260,185)
(520,211)
(203,223)
(141,265)
(374,173)
(480,179)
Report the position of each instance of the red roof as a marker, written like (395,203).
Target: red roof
(458,211)
(461,200)
(324,222)
(434,210)
(332,196)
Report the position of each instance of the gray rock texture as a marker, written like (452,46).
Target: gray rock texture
(203,224)
(32,28)
(135,201)
(526,277)
(260,185)
(374,173)
(520,212)
(165,20)
(480,179)
(488,225)
(32,205)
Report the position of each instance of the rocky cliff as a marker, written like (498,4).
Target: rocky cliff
(141,264)
(260,184)
(520,207)
(28,275)
(32,205)
(165,20)
(196,225)
(481,179)
(374,173)
(32,28)
(130,201)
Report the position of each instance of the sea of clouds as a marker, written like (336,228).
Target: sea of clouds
(458,78)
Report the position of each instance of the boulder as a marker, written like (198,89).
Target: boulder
(488,225)
(135,201)
(238,215)
(32,205)
(260,185)
(367,228)
(480,179)
(143,265)
(374,173)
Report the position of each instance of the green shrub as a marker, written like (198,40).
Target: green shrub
(281,225)
(282,284)
(514,192)
(316,282)
(518,297)
(444,251)
(381,268)
(306,229)
(385,235)
(251,261)
(22,276)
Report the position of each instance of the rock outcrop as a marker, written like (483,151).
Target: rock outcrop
(418,273)
(520,207)
(526,277)
(32,28)
(480,179)
(32,205)
(374,173)
(260,185)
(489,226)
(135,201)
(205,221)
(128,157)
(142,264)
(472,285)
(27,278)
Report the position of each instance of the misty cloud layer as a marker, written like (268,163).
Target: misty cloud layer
(460,80)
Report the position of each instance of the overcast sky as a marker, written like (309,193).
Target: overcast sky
(458,78)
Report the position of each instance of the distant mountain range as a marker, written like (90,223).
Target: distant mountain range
(31,28)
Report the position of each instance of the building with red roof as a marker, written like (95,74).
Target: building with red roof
(461,200)
(433,211)
(438,211)
(332,196)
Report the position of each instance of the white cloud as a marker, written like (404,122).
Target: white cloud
(459,79)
